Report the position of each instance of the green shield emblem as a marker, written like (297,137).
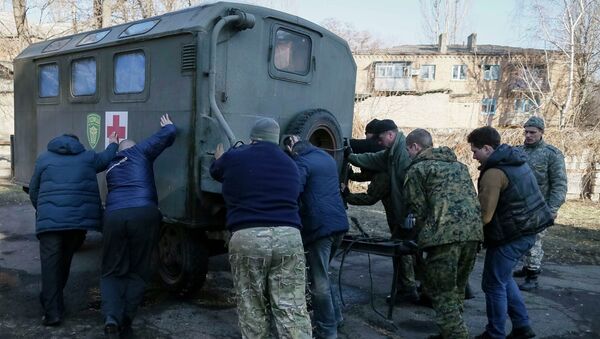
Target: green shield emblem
(93,129)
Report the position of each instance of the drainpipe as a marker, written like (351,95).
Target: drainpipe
(241,21)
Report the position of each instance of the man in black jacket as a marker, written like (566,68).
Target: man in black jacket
(513,212)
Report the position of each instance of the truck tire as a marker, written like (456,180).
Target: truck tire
(182,258)
(321,129)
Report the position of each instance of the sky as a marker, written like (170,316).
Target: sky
(398,22)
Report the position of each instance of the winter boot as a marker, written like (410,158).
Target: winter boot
(522,273)
(524,332)
(531,280)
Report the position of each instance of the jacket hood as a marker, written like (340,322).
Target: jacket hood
(65,144)
(439,154)
(304,147)
(506,155)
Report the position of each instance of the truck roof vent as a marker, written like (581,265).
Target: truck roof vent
(188,58)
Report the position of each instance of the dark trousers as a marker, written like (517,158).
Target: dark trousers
(130,235)
(327,314)
(56,252)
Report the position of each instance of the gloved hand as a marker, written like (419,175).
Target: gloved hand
(347,151)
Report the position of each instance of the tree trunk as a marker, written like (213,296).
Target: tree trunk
(98,10)
(20,15)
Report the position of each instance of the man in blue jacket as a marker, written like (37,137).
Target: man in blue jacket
(324,222)
(131,227)
(64,192)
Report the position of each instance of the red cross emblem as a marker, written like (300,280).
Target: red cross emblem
(116,127)
(115,122)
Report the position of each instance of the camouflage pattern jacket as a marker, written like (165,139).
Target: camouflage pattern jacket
(441,195)
(548,165)
(394,161)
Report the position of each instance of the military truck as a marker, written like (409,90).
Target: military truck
(215,69)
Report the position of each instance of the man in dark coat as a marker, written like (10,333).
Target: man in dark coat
(261,186)
(324,223)
(513,211)
(131,227)
(64,192)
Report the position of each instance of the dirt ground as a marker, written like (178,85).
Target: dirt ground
(564,307)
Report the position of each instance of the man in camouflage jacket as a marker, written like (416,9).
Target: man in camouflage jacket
(548,165)
(440,194)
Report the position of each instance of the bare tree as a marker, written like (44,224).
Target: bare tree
(20,15)
(570,29)
(357,40)
(444,16)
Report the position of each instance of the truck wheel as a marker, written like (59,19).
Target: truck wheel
(321,129)
(183,258)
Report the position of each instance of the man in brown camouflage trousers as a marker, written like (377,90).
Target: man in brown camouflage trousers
(548,166)
(440,194)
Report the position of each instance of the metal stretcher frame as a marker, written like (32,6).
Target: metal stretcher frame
(382,247)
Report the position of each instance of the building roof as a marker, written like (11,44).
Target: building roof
(451,50)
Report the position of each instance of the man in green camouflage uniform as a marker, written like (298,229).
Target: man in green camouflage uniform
(393,160)
(548,165)
(440,194)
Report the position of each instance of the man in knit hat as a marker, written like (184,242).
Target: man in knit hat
(548,165)
(261,186)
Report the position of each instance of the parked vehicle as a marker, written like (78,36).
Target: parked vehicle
(215,69)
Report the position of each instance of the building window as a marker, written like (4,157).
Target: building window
(488,106)
(130,72)
(292,52)
(526,105)
(459,72)
(428,72)
(83,77)
(491,72)
(392,70)
(48,81)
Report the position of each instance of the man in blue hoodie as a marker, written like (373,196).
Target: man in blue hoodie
(324,222)
(131,227)
(513,211)
(64,192)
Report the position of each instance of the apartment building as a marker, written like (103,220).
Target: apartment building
(457,86)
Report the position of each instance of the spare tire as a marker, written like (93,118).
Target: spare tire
(321,129)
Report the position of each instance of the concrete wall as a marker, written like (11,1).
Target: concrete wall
(435,110)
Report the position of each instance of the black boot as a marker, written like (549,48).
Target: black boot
(531,280)
(522,273)
(524,332)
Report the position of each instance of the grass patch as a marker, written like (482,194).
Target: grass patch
(11,193)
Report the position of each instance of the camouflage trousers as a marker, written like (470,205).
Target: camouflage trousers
(446,272)
(533,258)
(268,268)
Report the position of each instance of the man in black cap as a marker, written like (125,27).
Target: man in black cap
(548,166)
(394,160)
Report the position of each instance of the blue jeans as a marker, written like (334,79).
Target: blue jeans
(502,295)
(326,309)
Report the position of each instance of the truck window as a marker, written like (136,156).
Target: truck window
(139,28)
(83,77)
(130,72)
(292,52)
(48,80)
(92,38)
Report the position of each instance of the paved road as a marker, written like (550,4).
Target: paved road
(566,306)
